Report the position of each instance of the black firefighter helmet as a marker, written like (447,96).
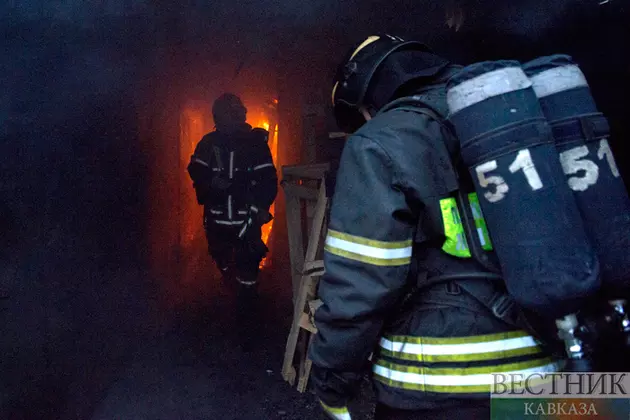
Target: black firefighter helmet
(228,111)
(358,70)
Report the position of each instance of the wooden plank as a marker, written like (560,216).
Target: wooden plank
(314,268)
(304,303)
(310,285)
(315,171)
(305,369)
(288,371)
(317,225)
(296,246)
(310,214)
(294,335)
(306,324)
(314,305)
(299,191)
(306,284)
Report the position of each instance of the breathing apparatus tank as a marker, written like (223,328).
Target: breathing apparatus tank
(581,136)
(547,262)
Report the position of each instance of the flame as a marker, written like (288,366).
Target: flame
(192,129)
(273,147)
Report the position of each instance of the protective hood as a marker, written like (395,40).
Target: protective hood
(233,130)
(229,113)
(399,69)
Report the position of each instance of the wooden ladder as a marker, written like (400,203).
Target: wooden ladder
(304,186)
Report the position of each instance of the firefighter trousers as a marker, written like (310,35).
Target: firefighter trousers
(474,410)
(241,256)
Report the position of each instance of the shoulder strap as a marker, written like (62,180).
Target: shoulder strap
(482,287)
(217,156)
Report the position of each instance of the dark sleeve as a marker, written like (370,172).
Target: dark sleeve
(367,259)
(200,169)
(264,176)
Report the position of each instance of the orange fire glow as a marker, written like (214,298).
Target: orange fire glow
(273,147)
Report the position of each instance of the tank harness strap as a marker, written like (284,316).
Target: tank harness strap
(590,127)
(217,155)
(485,287)
(499,303)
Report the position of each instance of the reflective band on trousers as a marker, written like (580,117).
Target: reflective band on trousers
(368,251)
(336,413)
(263,166)
(456,243)
(460,349)
(229,222)
(199,161)
(453,379)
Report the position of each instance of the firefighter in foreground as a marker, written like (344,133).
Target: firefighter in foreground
(414,278)
(235,180)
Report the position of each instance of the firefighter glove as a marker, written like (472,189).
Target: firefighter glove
(259,216)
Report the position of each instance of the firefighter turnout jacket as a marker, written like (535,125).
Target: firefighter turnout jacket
(394,225)
(233,175)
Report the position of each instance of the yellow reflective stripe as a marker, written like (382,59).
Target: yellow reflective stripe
(369,251)
(341,413)
(458,340)
(455,243)
(369,242)
(480,222)
(473,357)
(454,380)
(364,44)
(467,371)
(334,91)
(368,260)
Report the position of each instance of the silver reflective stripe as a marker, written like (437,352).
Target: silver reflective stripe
(216,169)
(485,86)
(216,211)
(246,282)
(231,165)
(264,165)
(201,162)
(228,222)
(242,212)
(367,250)
(244,228)
(454,380)
(230,207)
(558,80)
(254,209)
(341,413)
(482,239)
(458,349)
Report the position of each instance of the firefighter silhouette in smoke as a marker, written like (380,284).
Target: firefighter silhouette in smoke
(235,180)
